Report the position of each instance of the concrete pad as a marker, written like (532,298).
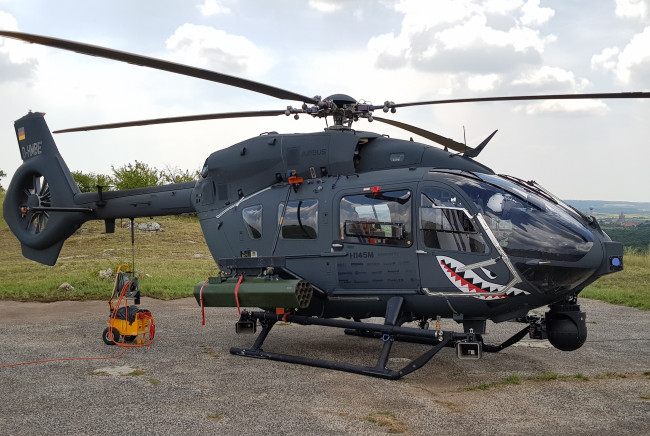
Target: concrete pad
(187,382)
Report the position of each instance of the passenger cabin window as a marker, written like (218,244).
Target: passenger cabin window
(446,224)
(300,219)
(377,218)
(252,216)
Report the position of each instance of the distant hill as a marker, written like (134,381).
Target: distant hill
(610,207)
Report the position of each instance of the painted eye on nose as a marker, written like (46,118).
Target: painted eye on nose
(489,273)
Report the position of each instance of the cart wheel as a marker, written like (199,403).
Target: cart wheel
(129,338)
(106,337)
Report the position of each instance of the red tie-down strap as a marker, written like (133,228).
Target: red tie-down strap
(241,277)
(202,310)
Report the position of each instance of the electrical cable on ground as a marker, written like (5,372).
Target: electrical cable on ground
(121,344)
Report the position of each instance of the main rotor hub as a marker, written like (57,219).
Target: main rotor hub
(341,107)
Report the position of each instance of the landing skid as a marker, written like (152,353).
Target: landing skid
(387,332)
(268,320)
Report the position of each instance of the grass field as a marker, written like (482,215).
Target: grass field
(630,287)
(171,262)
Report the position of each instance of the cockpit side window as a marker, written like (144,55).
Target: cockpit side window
(382,218)
(446,224)
(252,216)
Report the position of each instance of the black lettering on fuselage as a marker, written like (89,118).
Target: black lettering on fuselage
(318,152)
(362,255)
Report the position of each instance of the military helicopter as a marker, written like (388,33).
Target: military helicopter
(335,227)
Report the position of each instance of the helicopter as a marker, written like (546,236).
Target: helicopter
(336,227)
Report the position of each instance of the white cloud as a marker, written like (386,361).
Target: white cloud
(635,54)
(503,6)
(420,16)
(551,77)
(325,6)
(606,59)
(476,30)
(388,45)
(623,63)
(212,7)
(476,34)
(18,61)
(207,47)
(557,80)
(579,107)
(482,82)
(631,9)
(7,21)
(533,15)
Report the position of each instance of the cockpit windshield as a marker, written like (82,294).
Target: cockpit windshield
(541,198)
(526,224)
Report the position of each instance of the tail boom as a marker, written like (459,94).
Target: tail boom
(43,205)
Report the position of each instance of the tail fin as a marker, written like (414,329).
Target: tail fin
(41,185)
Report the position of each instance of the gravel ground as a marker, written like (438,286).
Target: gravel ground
(187,382)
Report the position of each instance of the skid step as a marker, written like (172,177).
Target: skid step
(469,350)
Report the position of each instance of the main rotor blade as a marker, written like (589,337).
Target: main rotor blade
(174,120)
(531,97)
(158,64)
(447,142)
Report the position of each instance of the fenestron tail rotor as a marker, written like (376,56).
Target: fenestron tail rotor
(35,197)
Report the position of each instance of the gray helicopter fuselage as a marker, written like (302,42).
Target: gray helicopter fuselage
(362,226)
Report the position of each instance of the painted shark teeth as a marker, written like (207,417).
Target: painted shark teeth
(469,282)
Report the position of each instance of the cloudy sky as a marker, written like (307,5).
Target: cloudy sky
(401,50)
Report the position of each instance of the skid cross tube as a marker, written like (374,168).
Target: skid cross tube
(488,348)
(268,320)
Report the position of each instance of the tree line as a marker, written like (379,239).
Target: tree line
(635,238)
(129,176)
(132,176)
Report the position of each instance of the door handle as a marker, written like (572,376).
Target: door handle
(421,252)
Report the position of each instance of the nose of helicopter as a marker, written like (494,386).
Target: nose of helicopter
(612,259)
(555,278)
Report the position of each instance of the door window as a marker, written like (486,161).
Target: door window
(377,218)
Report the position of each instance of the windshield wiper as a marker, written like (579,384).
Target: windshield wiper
(537,189)
(532,186)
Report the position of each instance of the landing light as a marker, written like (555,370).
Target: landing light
(616,262)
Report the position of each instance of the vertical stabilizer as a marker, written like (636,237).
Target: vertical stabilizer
(41,187)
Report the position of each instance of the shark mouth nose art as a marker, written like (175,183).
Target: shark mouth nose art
(471,283)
